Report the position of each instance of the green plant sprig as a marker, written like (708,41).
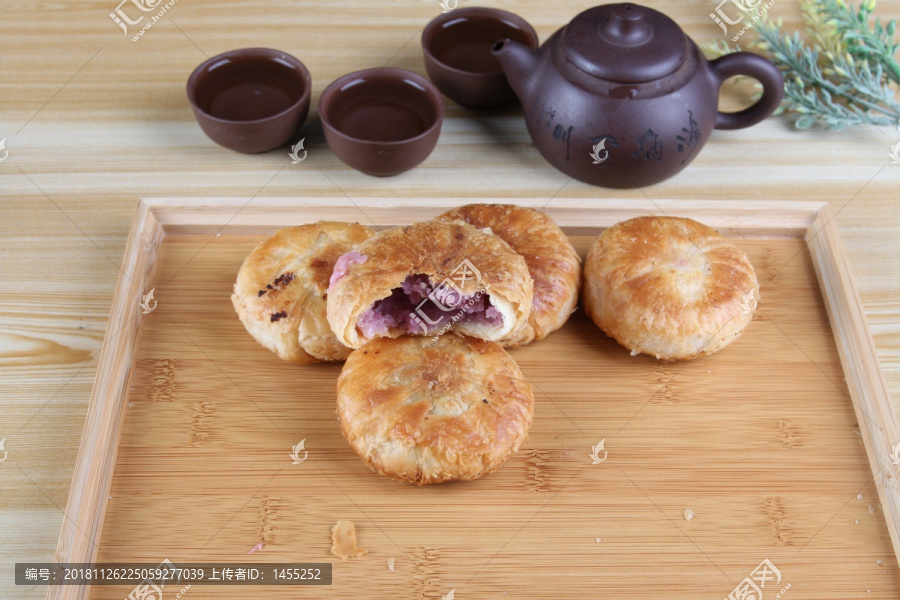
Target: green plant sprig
(875,43)
(843,74)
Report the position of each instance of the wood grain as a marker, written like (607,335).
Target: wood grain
(99,444)
(875,415)
(236,215)
(773,467)
(93,122)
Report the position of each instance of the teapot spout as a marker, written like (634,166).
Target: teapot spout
(520,63)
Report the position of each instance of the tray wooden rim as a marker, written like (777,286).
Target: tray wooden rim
(157,217)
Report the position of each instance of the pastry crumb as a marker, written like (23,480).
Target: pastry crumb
(391,563)
(598,540)
(859,496)
(343,539)
(871,510)
(688,514)
(257,548)
(856,521)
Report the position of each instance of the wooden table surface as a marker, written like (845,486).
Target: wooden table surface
(93,121)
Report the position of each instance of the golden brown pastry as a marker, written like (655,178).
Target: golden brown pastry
(280,290)
(426,278)
(669,287)
(553,263)
(427,410)
(343,540)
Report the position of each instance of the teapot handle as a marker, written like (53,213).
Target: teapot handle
(759,68)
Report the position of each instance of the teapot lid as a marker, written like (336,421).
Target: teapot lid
(626,42)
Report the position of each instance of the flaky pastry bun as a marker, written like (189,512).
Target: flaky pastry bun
(425,279)
(426,410)
(552,261)
(281,287)
(669,287)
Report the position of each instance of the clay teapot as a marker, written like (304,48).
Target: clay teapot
(621,97)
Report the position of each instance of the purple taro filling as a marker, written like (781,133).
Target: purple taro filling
(417,307)
(343,264)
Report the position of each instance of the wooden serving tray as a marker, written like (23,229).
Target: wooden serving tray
(781,445)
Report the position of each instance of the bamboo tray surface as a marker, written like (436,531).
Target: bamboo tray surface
(780,444)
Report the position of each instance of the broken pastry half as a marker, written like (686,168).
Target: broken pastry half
(280,290)
(552,261)
(427,279)
(425,411)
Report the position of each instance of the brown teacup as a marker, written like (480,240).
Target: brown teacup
(381,121)
(457,47)
(250,100)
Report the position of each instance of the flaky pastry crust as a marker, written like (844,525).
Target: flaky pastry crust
(669,287)
(552,261)
(425,411)
(281,288)
(435,249)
